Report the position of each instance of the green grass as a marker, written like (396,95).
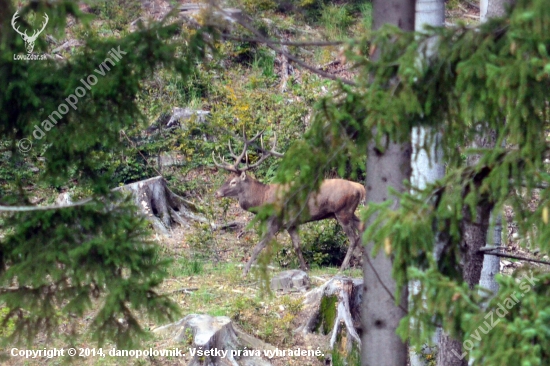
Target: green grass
(186,267)
(332,271)
(336,21)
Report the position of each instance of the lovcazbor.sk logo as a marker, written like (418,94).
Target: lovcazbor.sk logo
(38,133)
(29,40)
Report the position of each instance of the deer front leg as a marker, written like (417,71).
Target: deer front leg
(272,228)
(293,232)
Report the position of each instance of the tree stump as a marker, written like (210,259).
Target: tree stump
(228,345)
(160,205)
(335,308)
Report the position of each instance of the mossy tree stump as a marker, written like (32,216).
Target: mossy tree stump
(334,309)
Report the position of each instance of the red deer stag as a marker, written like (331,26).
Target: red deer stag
(336,198)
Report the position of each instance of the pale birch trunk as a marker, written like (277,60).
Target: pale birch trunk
(427,166)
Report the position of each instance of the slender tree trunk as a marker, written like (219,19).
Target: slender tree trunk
(474,237)
(426,168)
(491,263)
(380,315)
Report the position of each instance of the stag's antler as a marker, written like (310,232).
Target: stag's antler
(244,154)
(265,153)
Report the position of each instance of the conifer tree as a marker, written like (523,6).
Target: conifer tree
(59,263)
(477,77)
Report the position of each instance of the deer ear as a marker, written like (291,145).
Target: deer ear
(243,176)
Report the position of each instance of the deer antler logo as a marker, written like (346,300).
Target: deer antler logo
(29,40)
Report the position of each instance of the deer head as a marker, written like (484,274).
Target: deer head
(29,40)
(239,182)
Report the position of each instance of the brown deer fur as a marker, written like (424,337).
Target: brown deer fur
(336,199)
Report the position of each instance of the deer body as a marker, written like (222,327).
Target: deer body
(336,198)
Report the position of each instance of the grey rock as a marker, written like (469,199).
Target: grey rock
(292,280)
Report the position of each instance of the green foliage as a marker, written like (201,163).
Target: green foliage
(318,12)
(9,325)
(234,103)
(452,4)
(494,77)
(118,13)
(292,305)
(429,356)
(253,6)
(15,170)
(525,324)
(131,167)
(325,244)
(264,64)
(336,20)
(59,264)
(365,26)
(203,244)
(188,267)
(116,263)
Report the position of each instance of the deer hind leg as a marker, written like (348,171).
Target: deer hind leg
(351,226)
(293,232)
(272,228)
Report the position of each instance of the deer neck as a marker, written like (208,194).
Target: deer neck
(254,196)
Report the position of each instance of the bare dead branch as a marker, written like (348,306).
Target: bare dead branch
(285,43)
(42,208)
(491,251)
(288,55)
